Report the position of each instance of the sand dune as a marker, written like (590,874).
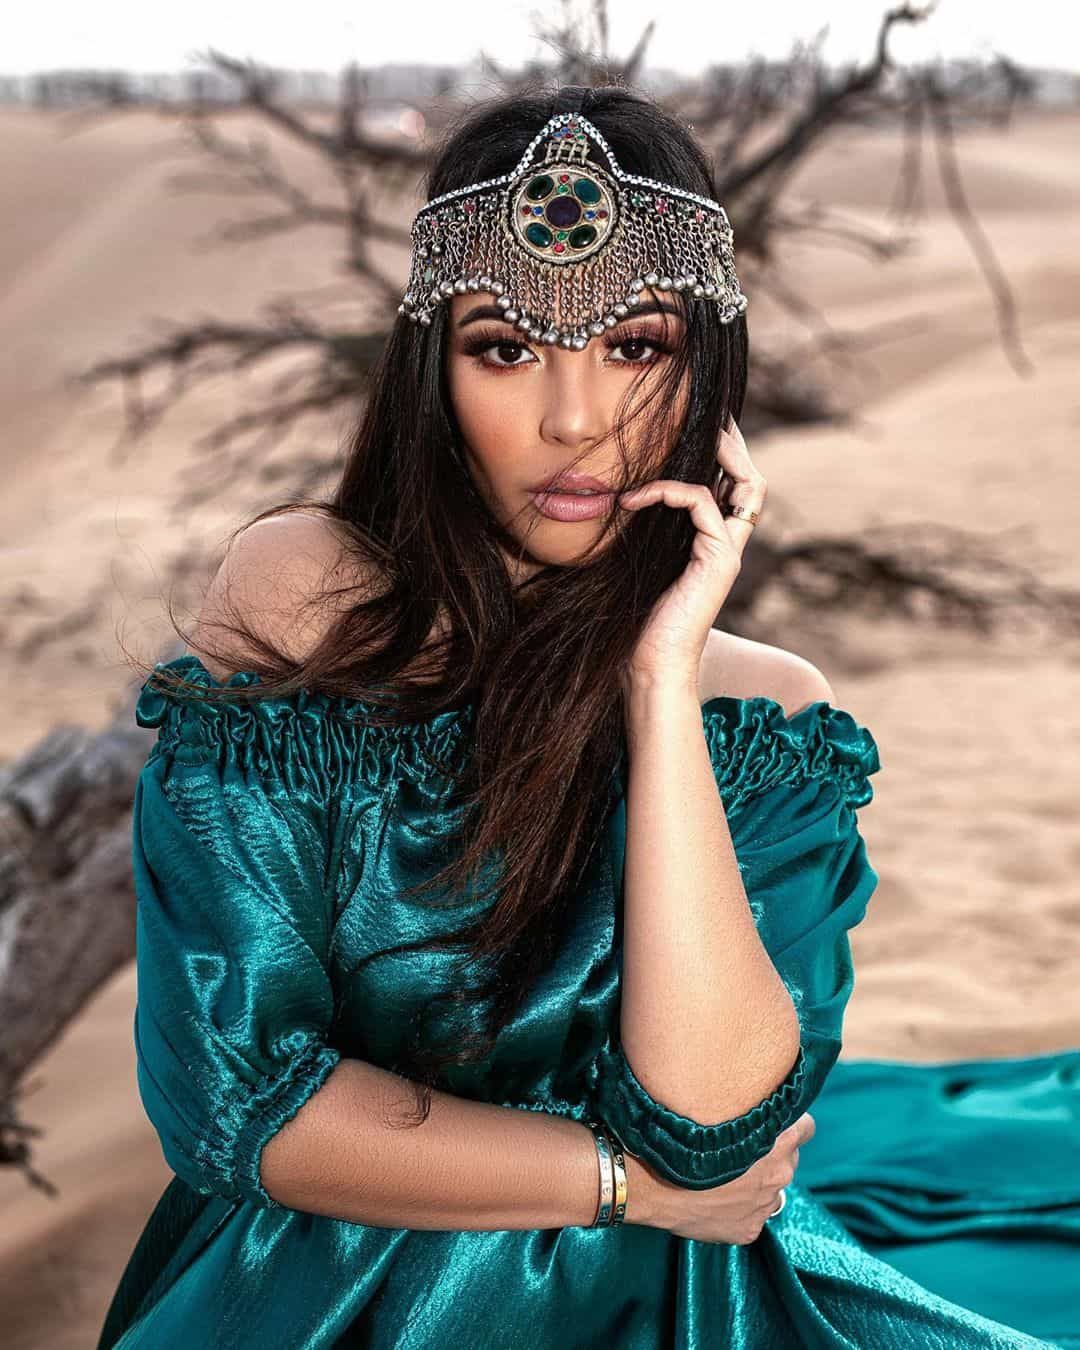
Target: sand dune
(973,938)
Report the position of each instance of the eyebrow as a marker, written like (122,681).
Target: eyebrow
(494,312)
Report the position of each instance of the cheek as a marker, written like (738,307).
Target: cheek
(491,419)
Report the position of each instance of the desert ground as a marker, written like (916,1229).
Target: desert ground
(972,941)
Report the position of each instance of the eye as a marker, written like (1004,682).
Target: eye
(639,340)
(505,347)
(507,353)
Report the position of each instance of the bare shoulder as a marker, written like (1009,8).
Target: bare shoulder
(743,668)
(271,578)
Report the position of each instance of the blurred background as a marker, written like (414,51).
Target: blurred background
(204,243)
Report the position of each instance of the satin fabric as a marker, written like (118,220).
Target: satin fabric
(271,844)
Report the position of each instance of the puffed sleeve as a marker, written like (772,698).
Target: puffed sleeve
(790,787)
(231,838)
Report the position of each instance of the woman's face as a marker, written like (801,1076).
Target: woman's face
(527,411)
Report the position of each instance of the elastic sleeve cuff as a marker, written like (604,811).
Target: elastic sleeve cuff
(683,1150)
(233,1149)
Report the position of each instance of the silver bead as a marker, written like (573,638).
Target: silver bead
(485,283)
(536,333)
(664,283)
(699,291)
(596,328)
(578,342)
(551,336)
(524,323)
(447,288)
(472,284)
(679,283)
(637,284)
(496,288)
(425,319)
(610,321)
(510,315)
(651,279)
(619,309)
(710,289)
(633,298)
(503,301)
(565,340)
(460,286)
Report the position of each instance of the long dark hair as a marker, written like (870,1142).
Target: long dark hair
(547,653)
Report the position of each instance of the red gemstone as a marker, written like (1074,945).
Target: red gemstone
(602,215)
(526,210)
(564,178)
(559,248)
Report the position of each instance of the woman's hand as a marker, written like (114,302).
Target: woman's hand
(671,644)
(735,1212)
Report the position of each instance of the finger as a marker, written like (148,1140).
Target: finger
(796,1133)
(694,497)
(745,485)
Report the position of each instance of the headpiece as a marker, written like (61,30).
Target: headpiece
(567,244)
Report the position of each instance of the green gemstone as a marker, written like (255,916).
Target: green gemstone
(561,234)
(587,191)
(582,237)
(564,187)
(539,188)
(538,234)
(429,274)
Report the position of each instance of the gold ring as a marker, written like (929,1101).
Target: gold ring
(744,513)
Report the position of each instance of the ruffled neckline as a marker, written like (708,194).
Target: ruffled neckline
(753,742)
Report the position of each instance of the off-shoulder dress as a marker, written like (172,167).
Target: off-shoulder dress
(938,1205)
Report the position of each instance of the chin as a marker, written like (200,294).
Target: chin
(560,544)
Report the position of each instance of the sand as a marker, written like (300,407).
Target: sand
(972,940)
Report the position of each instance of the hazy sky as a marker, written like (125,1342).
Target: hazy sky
(324,34)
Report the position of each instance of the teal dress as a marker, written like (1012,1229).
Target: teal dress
(937,1206)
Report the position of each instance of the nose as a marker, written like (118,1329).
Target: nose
(572,407)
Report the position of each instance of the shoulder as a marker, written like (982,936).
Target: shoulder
(272,572)
(744,668)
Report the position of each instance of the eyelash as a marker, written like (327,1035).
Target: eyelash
(483,342)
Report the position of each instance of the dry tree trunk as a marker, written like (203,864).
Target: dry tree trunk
(67,912)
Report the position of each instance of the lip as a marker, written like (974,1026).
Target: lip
(566,507)
(570,479)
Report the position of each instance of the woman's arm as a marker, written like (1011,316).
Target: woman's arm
(469,1165)
(706,1021)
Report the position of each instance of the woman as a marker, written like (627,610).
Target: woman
(463,659)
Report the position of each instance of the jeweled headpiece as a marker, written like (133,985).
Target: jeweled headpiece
(567,244)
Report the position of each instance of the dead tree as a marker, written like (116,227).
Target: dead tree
(795,103)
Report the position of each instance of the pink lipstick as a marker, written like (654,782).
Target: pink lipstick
(572,496)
